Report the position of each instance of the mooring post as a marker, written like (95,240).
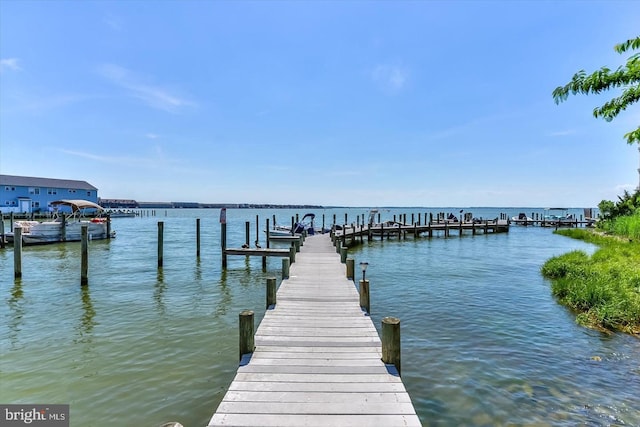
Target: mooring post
(160,242)
(17,252)
(108,226)
(364,296)
(223,235)
(285,268)
(391,342)
(292,253)
(350,268)
(271,292)
(197,237)
(343,254)
(84,250)
(247,344)
(63,228)
(2,232)
(10,220)
(247,224)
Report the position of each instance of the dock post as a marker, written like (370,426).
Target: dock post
(285,268)
(223,235)
(17,252)
(391,342)
(351,268)
(160,242)
(247,343)
(108,226)
(2,243)
(84,250)
(63,228)
(343,254)
(364,296)
(247,224)
(197,237)
(292,253)
(271,292)
(10,220)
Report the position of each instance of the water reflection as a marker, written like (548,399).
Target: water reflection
(225,295)
(16,305)
(85,328)
(158,293)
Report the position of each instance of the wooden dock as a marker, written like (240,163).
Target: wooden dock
(317,358)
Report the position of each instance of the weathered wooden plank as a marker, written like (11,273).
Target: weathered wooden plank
(364,397)
(317,420)
(343,387)
(349,407)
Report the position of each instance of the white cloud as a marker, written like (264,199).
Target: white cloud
(10,64)
(154,96)
(390,78)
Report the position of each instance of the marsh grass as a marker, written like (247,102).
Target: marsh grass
(604,289)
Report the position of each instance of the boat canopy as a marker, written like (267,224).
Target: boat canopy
(77,205)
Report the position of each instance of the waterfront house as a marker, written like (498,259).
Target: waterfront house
(26,194)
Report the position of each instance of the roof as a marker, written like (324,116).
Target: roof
(29,181)
(78,204)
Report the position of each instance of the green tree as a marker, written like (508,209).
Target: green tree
(626,77)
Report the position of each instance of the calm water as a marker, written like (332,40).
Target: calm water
(484,342)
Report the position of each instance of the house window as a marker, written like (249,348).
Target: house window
(9,188)
(88,193)
(35,204)
(72,191)
(52,191)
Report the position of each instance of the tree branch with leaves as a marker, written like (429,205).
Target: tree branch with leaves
(626,77)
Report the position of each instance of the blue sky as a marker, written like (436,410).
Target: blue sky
(356,103)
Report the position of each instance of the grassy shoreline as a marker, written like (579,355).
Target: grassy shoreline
(604,289)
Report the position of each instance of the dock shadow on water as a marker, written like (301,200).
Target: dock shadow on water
(483,340)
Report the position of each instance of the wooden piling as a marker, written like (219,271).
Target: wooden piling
(271,292)
(343,254)
(63,228)
(247,225)
(391,342)
(285,268)
(247,343)
(364,296)
(17,252)
(197,237)
(84,250)
(2,241)
(160,243)
(351,268)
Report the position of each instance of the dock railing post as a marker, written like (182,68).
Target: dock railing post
(285,268)
(364,296)
(247,342)
(271,292)
(84,250)
(391,342)
(350,268)
(292,253)
(17,252)
(343,254)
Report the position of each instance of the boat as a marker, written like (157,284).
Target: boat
(65,228)
(120,213)
(305,224)
(522,219)
(558,217)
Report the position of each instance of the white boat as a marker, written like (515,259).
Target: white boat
(305,224)
(120,213)
(522,219)
(558,217)
(63,228)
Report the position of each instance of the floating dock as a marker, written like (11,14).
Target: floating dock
(317,358)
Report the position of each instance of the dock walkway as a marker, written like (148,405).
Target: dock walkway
(317,360)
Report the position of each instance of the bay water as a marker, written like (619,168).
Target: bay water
(484,342)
